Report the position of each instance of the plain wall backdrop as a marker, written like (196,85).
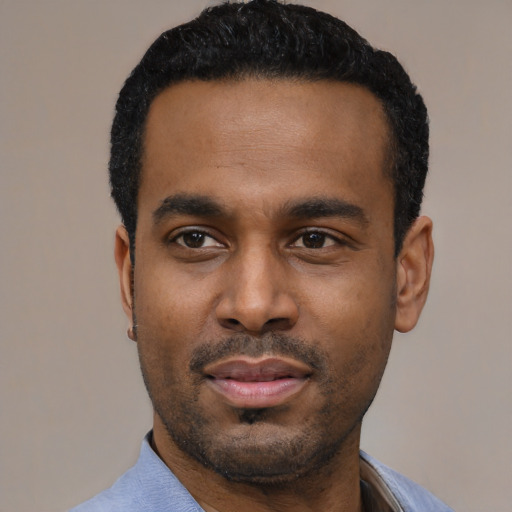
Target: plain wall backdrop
(73,406)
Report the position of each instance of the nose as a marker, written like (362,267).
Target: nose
(257,295)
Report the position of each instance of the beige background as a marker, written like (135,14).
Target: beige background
(73,407)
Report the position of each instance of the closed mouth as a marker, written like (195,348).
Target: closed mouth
(257,383)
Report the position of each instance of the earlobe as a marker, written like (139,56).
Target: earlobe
(414,266)
(124,269)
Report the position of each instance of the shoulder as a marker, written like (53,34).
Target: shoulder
(123,495)
(410,496)
(148,486)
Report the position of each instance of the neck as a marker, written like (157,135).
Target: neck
(333,488)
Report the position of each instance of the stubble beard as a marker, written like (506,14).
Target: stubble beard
(260,450)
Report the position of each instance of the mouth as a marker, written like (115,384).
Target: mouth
(257,383)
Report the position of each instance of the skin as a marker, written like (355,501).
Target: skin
(255,277)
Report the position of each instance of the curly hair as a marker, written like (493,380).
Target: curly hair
(268,39)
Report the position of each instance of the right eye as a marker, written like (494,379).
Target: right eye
(195,239)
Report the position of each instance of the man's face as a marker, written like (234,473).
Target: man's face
(264,283)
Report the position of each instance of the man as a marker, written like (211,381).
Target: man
(268,165)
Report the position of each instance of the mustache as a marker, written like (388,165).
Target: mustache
(271,343)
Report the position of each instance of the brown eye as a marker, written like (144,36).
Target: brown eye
(313,240)
(193,239)
(196,240)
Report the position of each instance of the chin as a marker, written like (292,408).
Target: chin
(261,453)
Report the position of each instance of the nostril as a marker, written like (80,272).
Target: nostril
(276,320)
(275,324)
(272,324)
(232,324)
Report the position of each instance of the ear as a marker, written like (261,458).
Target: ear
(414,266)
(124,269)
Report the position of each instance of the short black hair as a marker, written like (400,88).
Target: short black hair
(269,39)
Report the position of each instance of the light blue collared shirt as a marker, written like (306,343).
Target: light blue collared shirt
(150,486)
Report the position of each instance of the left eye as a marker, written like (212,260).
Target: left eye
(196,240)
(314,240)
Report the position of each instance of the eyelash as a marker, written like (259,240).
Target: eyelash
(190,231)
(324,236)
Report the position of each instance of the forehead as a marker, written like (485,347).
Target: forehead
(264,134)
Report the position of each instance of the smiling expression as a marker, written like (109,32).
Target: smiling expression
(265,278)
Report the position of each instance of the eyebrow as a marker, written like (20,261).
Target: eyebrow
(185,204)
(325,207)
(314,208)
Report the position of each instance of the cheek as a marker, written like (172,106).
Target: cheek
(355,319)
(359,300)
(164,316)
(168,302)
(358,350)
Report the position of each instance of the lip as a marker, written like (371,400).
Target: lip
(257,383)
